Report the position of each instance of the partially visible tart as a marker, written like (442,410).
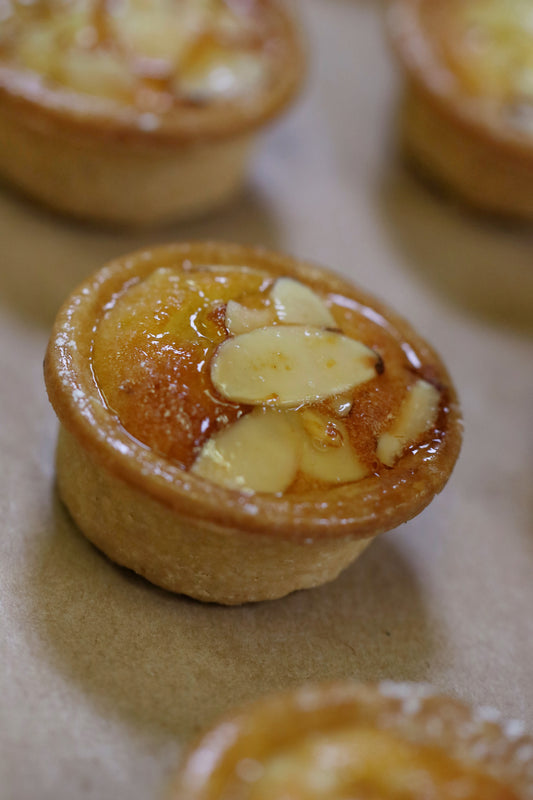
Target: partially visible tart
(237,424)
(467,116)
(371,742)
(137,111)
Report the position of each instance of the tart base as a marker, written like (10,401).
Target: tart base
(191,535)
(483,172)
(115,182)
(203,560)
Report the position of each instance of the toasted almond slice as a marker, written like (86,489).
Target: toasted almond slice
(320,429)
(297,304)
(258,453)
(327,453)
(222,72)
(290,365)
(96,72)
(241,319)
(153,33)
(418,412)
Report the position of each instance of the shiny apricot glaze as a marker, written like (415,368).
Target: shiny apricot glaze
(154,346)
(155,56)
(388,742)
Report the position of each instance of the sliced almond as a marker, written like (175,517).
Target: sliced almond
(417,414)
(319,428)
(241,319)
(223,72)
(297,304)
(326,451)
(258,453)
(153,33)
(290,365)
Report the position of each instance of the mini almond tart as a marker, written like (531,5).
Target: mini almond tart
(174,463)
(139,111)
(371,742)
(467,117)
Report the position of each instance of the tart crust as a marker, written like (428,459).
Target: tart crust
(464,141)
(94,159)
(424,734)
(193,536)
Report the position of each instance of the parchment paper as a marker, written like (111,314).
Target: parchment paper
(104,678)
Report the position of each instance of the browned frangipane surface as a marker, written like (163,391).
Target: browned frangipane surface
(104,678)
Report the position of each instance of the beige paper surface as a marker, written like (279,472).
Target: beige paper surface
(104,678)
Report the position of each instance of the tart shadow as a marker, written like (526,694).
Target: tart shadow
(46,256)
(478,263)
(161,661)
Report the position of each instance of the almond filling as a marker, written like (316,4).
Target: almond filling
(260,384)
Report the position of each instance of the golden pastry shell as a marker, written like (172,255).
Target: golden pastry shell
(357,510)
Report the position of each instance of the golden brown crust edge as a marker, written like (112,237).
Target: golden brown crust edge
(487,164)
(357,510)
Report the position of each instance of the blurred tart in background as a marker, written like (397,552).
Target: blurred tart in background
(467,118)
(137,111)
(385,741)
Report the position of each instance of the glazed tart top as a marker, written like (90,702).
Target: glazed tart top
(160,64)
(386,742)
(266,379)
(476,50)
(209,365)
